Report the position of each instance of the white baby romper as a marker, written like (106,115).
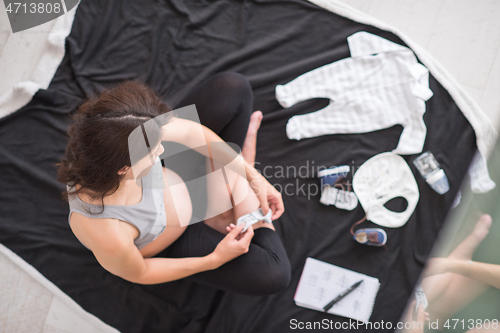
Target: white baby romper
(367,93)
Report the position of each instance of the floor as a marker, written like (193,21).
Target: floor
(29,303)
(463,35)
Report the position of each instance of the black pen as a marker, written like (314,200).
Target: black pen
(339,297)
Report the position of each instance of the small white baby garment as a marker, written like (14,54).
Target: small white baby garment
(379,86)
(379,180)
(480,181)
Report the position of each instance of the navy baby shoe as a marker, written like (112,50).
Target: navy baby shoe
(371,236)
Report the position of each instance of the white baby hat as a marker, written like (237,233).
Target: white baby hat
(384,177)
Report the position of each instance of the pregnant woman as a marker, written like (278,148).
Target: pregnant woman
(143,234)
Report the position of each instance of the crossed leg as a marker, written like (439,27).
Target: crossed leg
(244,198)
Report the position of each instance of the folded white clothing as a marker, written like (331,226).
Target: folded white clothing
(339,198)
(379,86)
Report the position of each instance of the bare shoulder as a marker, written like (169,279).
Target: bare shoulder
(112,245)
(103,234)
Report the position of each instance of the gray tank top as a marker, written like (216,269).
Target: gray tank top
(148,215)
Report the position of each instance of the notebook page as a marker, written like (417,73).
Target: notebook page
(321,282)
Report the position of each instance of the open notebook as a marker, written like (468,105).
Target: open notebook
(322,282)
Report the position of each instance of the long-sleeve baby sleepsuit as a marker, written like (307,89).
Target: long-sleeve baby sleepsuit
(367,93)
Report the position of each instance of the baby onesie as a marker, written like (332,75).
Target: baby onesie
(379,86)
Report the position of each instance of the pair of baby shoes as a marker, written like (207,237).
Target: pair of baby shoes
(335,189)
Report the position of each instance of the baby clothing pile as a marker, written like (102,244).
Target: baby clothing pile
(381,85)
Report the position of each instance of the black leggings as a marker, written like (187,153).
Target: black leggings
(224,103)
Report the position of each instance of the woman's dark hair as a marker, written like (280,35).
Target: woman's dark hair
(98,144)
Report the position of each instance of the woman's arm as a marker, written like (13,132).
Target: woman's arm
(201,139)
(121,257)
(125,261)
(487,273)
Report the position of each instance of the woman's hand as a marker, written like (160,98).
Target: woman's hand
(269,197)
(233,245)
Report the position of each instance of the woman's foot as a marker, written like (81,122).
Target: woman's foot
(249,146)
(465,250)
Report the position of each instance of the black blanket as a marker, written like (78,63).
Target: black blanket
(173,45)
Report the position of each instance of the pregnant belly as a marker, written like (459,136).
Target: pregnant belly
(178,209)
